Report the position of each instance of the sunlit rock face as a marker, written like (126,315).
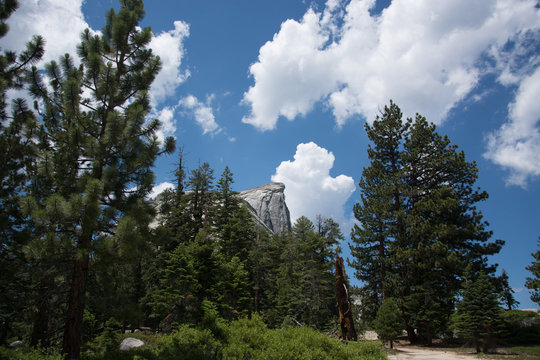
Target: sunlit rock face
(267,204)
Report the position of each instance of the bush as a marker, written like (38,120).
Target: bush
(28,354)
(246,339)
(250,339)
(188,343)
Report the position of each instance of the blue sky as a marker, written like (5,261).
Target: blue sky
(279,90)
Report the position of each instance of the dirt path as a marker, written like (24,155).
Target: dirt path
(405,353)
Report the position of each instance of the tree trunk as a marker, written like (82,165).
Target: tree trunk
(72,331)
(382,256)
(411,335)
(343,303)
(40,329)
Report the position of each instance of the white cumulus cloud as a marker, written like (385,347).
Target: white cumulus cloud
(60,22)
(202,112)
(168,122)
(425,55)
(310,190)
(169,47)
(516,145)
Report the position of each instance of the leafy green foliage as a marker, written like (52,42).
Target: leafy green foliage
(29,354)
(245,339)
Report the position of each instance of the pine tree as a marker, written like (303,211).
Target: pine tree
(98,145)
(533,282)
(199,199)
(419,231)
(304,281)
(17,151)
(506,292)
(225,200)
(479,315)
(379,213)
(389,321)
(442,222)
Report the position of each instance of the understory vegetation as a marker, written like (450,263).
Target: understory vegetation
(240,339)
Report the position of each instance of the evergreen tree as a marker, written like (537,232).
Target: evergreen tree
(419,231)
(262,263)
(225,200)
(379,212)
(479,315)
(304,281)
(533,282)
(98,145)
(506,293)
(17,132)
(389,321)
(199,198)
(442,222)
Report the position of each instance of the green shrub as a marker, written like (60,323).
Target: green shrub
(108,341)
(250,339)
(247,337)
(188,343)
(28,354)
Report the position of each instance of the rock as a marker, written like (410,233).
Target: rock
(369,335)
(130,343)
(16,344)
(267,204)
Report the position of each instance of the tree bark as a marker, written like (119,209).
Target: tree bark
(344,303)
(72,332)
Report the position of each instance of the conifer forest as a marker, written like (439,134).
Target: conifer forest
(88,259)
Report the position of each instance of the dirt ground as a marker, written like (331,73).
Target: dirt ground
(405,353)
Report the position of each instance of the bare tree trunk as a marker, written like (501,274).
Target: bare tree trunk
(344,303)
(72,331)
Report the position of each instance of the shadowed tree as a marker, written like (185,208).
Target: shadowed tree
(18,128)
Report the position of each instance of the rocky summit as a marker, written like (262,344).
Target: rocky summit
(267,205)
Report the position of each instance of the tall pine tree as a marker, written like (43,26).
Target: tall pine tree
(419,228)
(99,146)
(380,211)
